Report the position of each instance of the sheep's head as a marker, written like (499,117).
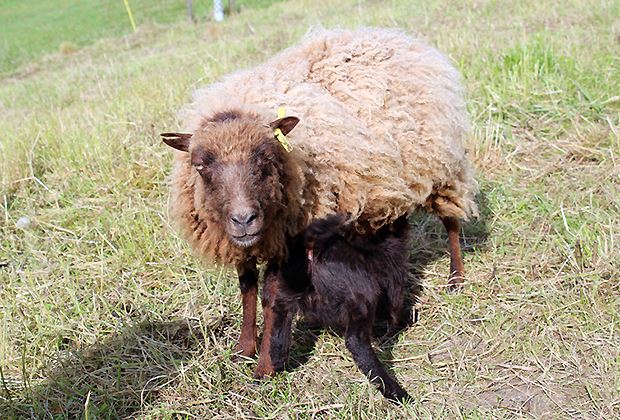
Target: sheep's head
(241,168)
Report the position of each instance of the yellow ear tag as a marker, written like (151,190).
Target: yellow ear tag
(279,134)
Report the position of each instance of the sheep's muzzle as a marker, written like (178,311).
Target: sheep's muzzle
(244,226)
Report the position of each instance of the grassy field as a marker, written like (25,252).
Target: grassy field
(104,313)
(31,28)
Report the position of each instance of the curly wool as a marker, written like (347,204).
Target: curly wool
(383,122)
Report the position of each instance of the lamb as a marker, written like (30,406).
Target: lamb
(381,122)
(341,278)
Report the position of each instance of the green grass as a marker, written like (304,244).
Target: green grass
(104,312)
(30,28)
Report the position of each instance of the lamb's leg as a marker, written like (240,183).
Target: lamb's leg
(280,340)
(457,270)
(265,366)
(358,343)
(248,284)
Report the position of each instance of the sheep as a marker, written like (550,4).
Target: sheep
(341,278)
(381,123)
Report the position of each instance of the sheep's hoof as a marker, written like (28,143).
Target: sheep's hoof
(263,371)
(455,282)
(245,349)
(260,374)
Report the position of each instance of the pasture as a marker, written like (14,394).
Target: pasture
(104,312)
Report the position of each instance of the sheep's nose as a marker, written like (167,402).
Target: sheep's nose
(244,218)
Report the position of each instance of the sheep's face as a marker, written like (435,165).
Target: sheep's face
(240,167)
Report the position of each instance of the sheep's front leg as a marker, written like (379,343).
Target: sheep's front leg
(276,326)
(457,270)
(357,339)
(248,284)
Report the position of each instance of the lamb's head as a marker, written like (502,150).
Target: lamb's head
(241,168)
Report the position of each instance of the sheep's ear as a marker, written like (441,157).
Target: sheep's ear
(179,141)
(285,124)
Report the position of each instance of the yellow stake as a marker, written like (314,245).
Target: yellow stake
(133,23)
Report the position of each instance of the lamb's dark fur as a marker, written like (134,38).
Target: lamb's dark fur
(346,283)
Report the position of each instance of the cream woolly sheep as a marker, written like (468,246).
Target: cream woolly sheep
(382,123)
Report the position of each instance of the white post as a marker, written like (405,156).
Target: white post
(190,11)
(218,11)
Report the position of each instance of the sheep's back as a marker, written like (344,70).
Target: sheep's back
(409,99)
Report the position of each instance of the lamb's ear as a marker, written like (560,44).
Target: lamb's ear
(285,124)
(179,141)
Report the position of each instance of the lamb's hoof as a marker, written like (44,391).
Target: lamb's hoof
(399,396)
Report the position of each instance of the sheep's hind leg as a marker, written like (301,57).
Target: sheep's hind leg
(248,284)
(358,342)
(457,270)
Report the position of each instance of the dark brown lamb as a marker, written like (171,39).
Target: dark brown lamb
(344,280)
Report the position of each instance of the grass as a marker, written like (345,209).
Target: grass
(28,29)
(104,312)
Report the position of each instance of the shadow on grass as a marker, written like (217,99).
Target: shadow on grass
(113,379)
(429,243)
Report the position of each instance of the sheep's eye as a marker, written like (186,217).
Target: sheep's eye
(202,159)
